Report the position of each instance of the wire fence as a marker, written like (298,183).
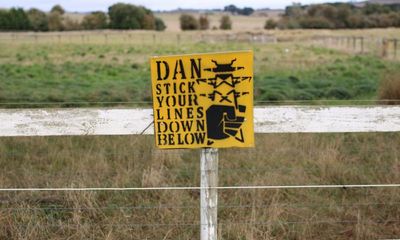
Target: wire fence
(382,47)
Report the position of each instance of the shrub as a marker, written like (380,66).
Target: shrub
(204,24)
(341,15)
(54,20)
(70,24)
(160,25)
(95,20)
(188,22)
(270,24)
(37,19)
(226,23)
(389,88)
(57,8)
(148,22)
(316,23)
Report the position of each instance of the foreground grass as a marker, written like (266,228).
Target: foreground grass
(293,159)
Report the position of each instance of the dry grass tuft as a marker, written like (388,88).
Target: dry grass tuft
(389,91)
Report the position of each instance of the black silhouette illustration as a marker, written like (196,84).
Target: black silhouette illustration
(222,122)
(226,116)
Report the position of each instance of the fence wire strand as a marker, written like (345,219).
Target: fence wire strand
(238,206)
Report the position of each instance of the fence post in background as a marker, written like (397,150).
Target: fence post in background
(105,38)
(178,38)
(154,39)
(208,193)
(362,44)
(395,47)
(385,46)
(354,44)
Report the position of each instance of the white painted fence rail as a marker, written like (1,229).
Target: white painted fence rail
(271,119)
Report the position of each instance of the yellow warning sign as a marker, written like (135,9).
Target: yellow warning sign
(203,100)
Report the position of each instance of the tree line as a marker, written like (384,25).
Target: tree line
(337,16)
(119,16)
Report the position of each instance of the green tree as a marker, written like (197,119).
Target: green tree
(69,24)
(128,16)
(316,23)
(55,21)
(231,8)
(37,19)
(188,22)
(370,9)
(18,19)
(204,24)
(356,21)
(225,23)
(294,11)
(95,20)
(148,22)
(247,11)
(57,8)
(160,25)
(4,20)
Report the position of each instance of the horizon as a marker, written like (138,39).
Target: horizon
(156,5)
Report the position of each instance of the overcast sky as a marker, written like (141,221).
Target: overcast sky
(93,5)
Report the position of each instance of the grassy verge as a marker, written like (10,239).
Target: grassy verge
(293,159)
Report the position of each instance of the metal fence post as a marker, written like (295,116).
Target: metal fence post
(208,194)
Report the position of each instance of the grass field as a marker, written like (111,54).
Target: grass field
(95,68)
(111,69)
(243,214)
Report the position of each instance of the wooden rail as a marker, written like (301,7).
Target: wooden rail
(273,119)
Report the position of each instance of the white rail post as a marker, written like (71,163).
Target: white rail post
(208,194)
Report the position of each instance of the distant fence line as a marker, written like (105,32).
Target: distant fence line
(382,47)
(137,37)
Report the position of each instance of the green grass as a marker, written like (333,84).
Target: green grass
(117,72)
(351,78)
(65,73)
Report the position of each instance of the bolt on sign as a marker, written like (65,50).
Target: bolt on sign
(203,100)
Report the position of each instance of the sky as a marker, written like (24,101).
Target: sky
(95,5)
